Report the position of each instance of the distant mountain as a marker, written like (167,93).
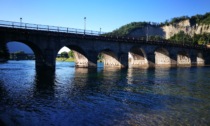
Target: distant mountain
(17,46)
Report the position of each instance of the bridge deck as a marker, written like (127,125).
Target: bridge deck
(89,34)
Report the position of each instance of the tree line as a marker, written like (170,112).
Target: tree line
(21,55)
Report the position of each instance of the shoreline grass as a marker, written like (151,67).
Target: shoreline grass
(65,59)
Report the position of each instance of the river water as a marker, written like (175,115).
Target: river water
(78,96)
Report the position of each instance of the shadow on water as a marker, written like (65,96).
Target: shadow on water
(2,95)
(44,83)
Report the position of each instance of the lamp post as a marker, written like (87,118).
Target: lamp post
(84,24)
(100,31)
(20,21)
(147,32)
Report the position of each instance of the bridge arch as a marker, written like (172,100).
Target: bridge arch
(80,56)
(183,58)
(137,58)
(39,57)
(162,57)
(109,59)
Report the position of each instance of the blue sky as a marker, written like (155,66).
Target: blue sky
(105,14)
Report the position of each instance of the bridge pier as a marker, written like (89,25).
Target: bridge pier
(183,59)
(200,59)
(173,60)
(46,60)
(43,65)
(193,58)
(151,59)
(124,60)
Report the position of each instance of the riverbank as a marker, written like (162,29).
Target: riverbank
(65,59)
(69,60)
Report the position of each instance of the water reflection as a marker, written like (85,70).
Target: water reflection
(81,96)
(96,81)
(44,83)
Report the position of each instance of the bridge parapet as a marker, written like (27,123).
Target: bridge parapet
(29,26)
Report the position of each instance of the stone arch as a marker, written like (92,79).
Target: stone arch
(162,57)
(200,59)
(137,58)
(183,59)
(39,57)
(110,59)
(80,56)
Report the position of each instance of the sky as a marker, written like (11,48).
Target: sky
(105,14)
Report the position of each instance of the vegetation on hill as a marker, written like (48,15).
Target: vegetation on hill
(200,19)
(196,39)
(174,20)
(196,19)
(128,28)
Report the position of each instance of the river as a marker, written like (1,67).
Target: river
(78,96)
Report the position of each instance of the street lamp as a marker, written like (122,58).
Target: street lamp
(147,32)
(84,24)
(20,21)
(100,30)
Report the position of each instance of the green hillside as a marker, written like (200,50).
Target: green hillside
(126,29)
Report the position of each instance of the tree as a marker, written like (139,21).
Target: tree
(156,38)
(64,55)
(201,41)
(182,38)
(71,54)
(100,57)
(20,55)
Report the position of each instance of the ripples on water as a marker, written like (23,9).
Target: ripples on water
(79,96)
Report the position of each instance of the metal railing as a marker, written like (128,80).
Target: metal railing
(22,25)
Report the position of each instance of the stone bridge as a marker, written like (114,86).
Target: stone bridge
(117,52)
